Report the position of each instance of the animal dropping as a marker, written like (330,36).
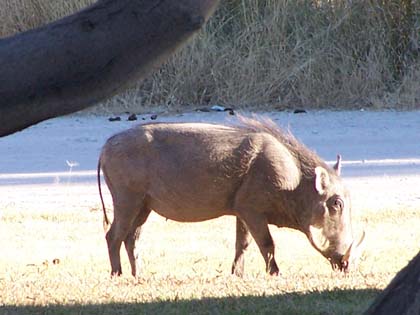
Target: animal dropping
(251,169)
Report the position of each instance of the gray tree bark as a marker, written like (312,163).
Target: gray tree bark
(81,59)
(402,295)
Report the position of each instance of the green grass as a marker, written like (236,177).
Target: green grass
(186,267)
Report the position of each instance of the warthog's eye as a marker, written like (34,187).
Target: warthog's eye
(338,204)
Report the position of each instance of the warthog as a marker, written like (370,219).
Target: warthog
(191,172)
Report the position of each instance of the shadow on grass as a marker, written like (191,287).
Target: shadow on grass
(325,302)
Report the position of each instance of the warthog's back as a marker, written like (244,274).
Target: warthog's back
(189,171)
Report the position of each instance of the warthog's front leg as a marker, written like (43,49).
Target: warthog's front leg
(243,239)
(258,226)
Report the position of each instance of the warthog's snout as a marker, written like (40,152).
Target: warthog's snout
(349,260)
(337,263)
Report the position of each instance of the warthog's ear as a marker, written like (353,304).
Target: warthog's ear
(322,179)
(337,166)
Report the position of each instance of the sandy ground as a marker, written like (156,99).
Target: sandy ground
(49,163)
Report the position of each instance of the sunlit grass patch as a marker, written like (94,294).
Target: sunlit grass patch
(54,261)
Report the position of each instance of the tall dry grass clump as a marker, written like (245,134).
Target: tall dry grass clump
(21,15)
(277,53)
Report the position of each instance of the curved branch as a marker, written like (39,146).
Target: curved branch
(81,59)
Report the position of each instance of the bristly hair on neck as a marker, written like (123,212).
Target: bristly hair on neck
(261,123)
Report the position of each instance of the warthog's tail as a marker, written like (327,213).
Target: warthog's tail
(106,220)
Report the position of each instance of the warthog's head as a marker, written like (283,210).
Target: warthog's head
(330,229)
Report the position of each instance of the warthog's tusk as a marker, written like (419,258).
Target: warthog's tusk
(361,239)
(351,251)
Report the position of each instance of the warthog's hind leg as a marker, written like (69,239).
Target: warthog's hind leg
(132,240)
(114,245)
(126,211)
(243,239)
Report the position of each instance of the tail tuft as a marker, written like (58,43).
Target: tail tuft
(106,223)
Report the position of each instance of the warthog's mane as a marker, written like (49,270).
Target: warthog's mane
(307,158)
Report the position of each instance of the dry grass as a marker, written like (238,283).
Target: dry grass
(21,15)
(341,54)
(185,266)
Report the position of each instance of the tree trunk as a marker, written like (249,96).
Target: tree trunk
(81,59)
(402,295)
